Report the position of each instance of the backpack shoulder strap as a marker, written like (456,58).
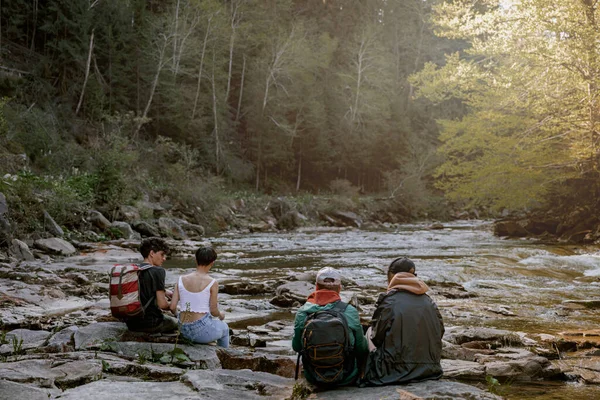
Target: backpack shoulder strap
(340,306)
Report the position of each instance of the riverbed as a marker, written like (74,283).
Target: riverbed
(519,285)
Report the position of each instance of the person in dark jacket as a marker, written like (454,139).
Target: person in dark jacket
(405,336)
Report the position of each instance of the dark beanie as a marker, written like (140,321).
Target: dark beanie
(401,264)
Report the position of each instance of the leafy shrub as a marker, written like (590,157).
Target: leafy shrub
(343,187)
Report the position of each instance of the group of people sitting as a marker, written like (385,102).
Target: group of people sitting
(402,344)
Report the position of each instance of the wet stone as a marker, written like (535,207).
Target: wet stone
(30,340)
(274,364)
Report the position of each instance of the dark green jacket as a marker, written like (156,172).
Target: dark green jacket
(357,339)
(407,331)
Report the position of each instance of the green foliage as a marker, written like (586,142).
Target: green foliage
(529,113)
(17,347)
(109,345)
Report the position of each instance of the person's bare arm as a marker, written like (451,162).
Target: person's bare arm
(214,305)
(161,300)
(175,300)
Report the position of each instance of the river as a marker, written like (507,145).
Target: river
(519,285)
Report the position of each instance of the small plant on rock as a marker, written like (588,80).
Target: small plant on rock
(17,344)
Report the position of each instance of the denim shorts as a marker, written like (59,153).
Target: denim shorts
(205,330)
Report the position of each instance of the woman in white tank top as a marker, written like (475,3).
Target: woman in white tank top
(196,295)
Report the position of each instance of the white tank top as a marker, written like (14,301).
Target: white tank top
(198,301)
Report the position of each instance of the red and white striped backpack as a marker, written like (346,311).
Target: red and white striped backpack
(124,291)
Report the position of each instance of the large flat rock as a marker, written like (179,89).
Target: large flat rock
(93,336)
(109,389)
(50,373)
(24,339)
(441,389)
(11,390)
(239,384)
(204,356)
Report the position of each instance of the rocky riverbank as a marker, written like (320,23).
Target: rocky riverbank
(60,340)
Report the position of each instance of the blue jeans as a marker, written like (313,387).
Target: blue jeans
(206,330)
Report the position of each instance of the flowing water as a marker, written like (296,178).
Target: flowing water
(520,285)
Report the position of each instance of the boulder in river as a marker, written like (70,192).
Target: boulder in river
(98,220)
(55,246)
(20,250)
(51,225)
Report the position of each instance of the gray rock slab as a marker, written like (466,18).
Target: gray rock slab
(125,229)
(98,220)
(239,384)
(93,336)
(51,225)
(148,371)
(20,250)
(299,290)
(76,373)
(441,389)
(12,390)
(463,369)
(31,340)
(204,356)
(62,340)
(55,246)
(112,389)
(36,372)
(460,335)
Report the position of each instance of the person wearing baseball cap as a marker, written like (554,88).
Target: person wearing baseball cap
(405,336)
(326,297)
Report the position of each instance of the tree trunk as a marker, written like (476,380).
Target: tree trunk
(175,36)
(216,120)
(299,172)
(200,70)
(239,107)
(87,72)
(159,67)
(234,6)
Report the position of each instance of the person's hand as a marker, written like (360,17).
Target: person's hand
(169,294)
(221,315)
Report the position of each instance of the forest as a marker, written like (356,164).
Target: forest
(484,104)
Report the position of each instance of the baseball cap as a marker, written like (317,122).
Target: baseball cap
(329,276)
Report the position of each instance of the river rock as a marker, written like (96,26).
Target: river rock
(31,340)
(20,250)
(510,229)
(271,363)
(146,371)
(116,389)
(55,246)
(460,335)
(238,384)
(192,230)
(93,336)
(245,287)
(586,369)
(62,341)
(247,339)
(299,290)
(204,356)
(347,218)
(459,369)
(593,304)
(51,225)
(13,390)
(435,389)
(128,213)
(98,220)
(47,373)
(146,229)
(125,230)
(170,228)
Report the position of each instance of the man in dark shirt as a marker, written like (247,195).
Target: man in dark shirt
(152,290)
